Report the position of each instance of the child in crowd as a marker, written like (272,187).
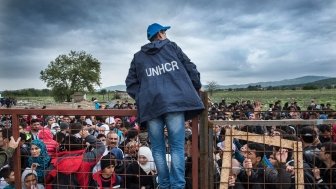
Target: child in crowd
(29,179)
(8,174)
(106,177)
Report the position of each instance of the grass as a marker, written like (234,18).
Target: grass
(302,97)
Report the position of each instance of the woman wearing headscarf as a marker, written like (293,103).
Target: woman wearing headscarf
(39,159)
(141,173)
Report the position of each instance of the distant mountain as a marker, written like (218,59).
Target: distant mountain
(319,83)
(295,81)
(116,88)
(285,82)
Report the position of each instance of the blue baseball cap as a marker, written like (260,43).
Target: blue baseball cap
(154,29)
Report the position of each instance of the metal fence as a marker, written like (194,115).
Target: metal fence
(205,171)
(234,131)
(16,113)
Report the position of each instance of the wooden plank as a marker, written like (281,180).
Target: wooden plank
(299,177)
(271,140)
(275,141)
(226,160)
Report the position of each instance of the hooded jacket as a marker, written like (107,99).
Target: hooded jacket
(78,163)
(46,136)
(162,79)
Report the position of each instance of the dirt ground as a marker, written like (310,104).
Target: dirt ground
(64,105)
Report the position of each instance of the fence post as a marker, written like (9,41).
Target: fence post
(211,158)
(204,145)
(17,154)
(195,154)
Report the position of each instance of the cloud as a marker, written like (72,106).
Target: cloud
(231,42)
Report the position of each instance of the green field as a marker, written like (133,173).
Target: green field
(303,97)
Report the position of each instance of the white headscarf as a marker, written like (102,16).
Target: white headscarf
(24,175)
(150,165)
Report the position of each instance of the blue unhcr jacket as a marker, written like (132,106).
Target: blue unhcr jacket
(162,79)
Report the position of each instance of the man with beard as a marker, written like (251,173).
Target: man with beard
(112,141)
(112,146)
(325,133)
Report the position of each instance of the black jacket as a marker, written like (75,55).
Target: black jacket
(328,179)
(136,177)
(266,178)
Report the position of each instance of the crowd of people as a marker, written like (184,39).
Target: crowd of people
(256,165)
(98,152)
(7,102)
(79,151)
(242,110)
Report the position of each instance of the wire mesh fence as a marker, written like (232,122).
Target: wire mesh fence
(286,153)
(270,154)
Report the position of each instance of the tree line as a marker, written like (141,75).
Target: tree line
(212,86)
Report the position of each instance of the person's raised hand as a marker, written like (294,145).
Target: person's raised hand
(290,169)
(84,133)
(232,180)
(14,144)
(316,172)
(247,164)
(281,155)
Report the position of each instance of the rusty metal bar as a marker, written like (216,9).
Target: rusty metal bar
(211,158)
(204,145)
(194,151)
(113,112)
(17,154)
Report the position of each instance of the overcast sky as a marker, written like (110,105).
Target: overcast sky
(230,41)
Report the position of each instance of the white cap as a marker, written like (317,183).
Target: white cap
(88,121)
(109,120)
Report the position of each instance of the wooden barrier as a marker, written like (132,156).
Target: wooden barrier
(275,141)
(270,140)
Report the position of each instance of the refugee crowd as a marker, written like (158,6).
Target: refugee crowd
(61,151)
(242,110)
(256,165)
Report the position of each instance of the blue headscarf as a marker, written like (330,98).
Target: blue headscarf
(43,160)
(117,152)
